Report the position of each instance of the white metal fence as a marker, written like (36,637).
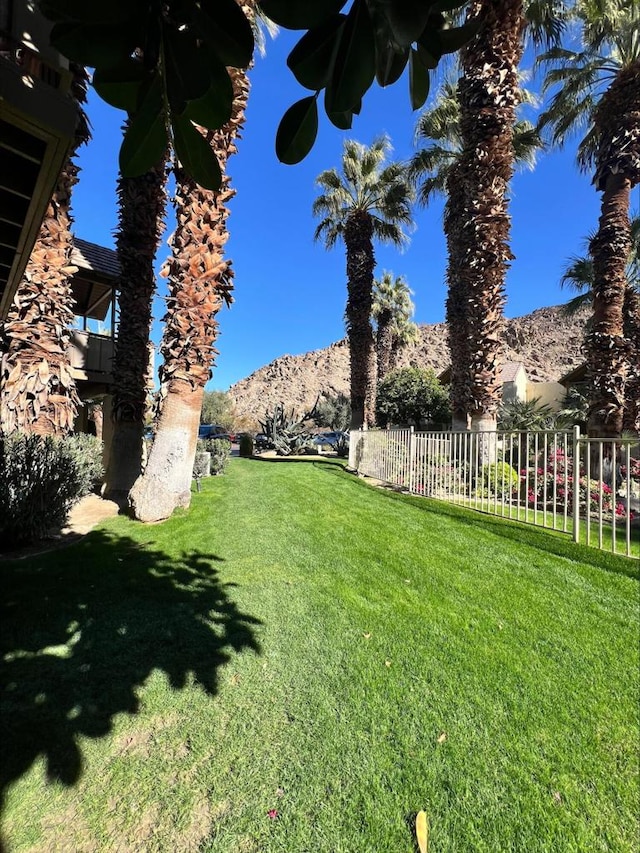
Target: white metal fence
(588,488)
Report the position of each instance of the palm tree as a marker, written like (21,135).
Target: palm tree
(392,310)
(579,276)
(476,218)
(370,200)
(598,89)
(439,169)
(200,282)
(38,393)
(142,203)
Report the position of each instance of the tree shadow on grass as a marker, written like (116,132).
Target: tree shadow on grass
(83,628)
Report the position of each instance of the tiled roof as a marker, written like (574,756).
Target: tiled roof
(99,259)
(510,370)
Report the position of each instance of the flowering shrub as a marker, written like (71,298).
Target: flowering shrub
(634,472)
(556,482)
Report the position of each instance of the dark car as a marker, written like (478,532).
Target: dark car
(212,431)
(262,442)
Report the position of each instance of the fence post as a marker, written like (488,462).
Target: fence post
(412,457)
(576,484)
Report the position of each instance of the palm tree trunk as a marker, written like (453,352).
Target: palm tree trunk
(360,265)
(631,327)
(458,338)
(384,343)
(606,346)
(617,172)
(200,281)
(488,92)
(142,203)
(37,392)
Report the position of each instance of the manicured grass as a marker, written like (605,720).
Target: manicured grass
(341,656)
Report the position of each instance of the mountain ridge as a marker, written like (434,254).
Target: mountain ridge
(547,341)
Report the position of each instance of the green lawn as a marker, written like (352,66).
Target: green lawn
(342,657)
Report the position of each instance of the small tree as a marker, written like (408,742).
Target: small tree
(333,412)
(412,396)
(217,408)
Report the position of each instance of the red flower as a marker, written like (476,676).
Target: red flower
(273,813)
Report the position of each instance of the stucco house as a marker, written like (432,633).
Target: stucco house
(516,385)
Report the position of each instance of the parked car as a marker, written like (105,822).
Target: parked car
(331,438)
(262,442)
(212,431)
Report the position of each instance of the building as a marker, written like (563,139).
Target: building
(37,123)
(516,385)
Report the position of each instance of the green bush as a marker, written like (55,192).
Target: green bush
(246,445)
(498,478)
(87,451)
(40,479)
(220,450)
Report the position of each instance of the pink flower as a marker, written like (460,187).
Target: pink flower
(273,814)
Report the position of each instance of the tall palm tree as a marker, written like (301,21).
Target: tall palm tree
(597,89)
(369,200)
(141,210)
(200,283)
(392,310)
(579,275)
(439,169)
(37,392)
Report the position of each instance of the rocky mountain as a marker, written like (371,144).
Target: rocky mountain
(546,341)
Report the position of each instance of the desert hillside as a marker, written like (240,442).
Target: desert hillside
(546,341)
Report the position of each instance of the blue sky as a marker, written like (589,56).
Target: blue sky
(289,291)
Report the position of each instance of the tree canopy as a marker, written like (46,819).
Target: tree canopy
(167,64)
(412,396)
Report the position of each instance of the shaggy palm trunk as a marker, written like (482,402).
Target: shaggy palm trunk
(200,281)
(617,122)
(631,326)
(458,337)
(384,343)
(360,265)
(142,203)
(488,92)
(37,392)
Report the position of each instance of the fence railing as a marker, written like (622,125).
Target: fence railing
(588,488)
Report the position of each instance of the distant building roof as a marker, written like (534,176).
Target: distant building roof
(578,374)
(508,374)
(510,370)
(94,258)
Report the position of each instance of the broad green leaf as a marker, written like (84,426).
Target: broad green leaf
(187,77)
(447,5)
(406,19)
(343,121)
(225,27)
(196,155)
(355,63)
(300,14)
(390,63)
(214,108)
(94,44)
(90,12)
(429,49)
(422,832)
(146,139)
(297,131)
(120,85)
(456,37)
(311,59)
(418,81)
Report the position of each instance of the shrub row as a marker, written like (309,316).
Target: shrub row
(41,479)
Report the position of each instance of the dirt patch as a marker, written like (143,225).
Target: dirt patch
(84,516)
